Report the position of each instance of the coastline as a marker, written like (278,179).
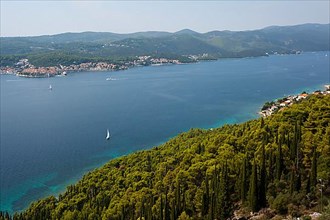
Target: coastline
(24,69)
(279,104)
(58,189)
(87,170)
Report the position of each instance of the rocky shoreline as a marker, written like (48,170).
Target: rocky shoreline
(268,213)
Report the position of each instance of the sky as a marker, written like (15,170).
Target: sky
(34,18)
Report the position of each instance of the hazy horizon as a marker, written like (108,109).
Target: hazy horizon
(36,18)
(88,31)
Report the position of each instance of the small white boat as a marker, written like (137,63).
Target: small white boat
(108,135)
(50,87)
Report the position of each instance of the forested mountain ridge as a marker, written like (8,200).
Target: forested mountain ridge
(275,162)
(106,46)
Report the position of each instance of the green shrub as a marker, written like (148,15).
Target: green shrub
(280,203)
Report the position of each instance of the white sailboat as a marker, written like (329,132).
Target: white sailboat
(108,135)
(50,87)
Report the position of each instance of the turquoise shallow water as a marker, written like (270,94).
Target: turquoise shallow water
(49,139)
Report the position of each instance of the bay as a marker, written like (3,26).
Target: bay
(50,138)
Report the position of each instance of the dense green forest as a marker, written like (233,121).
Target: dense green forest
(281,162)
(75,48)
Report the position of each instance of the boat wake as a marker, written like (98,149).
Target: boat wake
(108,135)
(115,79)
(13,80)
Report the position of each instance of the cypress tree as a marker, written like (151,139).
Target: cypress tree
(224,194)
(212,207)
(292,181)
(183,202)
(263,176)
(173,210)
(308,185)
(276,137)
(215,193)
(167,211)
(272,159)
(314,169)
(149,164)
(279,162)
(205,199)
(297,143)
(298,182)
(177,199)
(122,213)
(150,205)
(132,212)
(244,180)
(142,210)
(253,193)
(288,141)
(293,150)
(161,208)
(267,134)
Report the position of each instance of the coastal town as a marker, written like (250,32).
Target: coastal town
(24,68)
(272,107)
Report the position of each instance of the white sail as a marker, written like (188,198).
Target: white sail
(50,87)
(108,135)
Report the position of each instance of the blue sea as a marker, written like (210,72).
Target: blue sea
(50,138)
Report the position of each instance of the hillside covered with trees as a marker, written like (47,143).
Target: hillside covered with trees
(281,162)
(76,48)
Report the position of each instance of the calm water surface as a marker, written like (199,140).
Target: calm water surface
(50,138)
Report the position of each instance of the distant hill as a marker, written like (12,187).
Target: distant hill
(216,44)
(307,37)
(188,32)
